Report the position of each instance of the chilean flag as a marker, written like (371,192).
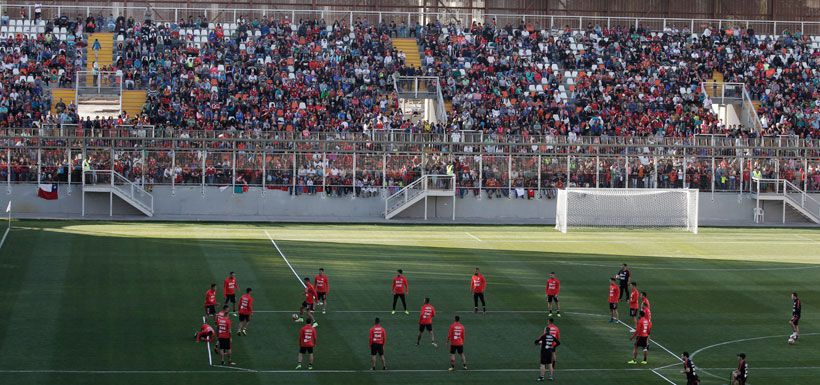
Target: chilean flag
(47,191)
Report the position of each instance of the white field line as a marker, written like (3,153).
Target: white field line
(2,241)
(236,368)
(473,237)
(654,341)
(286,259)
(745,340)
(208,347)
(664,377)
(444,311)
(513,239)
(275,371)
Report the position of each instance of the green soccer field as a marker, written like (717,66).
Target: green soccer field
(118,303)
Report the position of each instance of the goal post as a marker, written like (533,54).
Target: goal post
(627,208)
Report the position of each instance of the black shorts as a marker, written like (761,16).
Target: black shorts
(795,320)
(230,298)
(456,349)
(633,312)
(376,349)
(244,317)
(306,350)
(427,327)
(308,306)
(321,296)
(613,306)
(224,344)
(546,357)
(210,310)
(692,380)
(642,342)
(741,379)
(552,298)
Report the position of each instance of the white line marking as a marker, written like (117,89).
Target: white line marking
(473,237)
(664,377)
(208,347)
(2,241)
(236,368)
(682,268)
(462,311)
(745,340)
(286,259)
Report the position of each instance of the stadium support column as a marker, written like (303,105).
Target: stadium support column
(203,165)
(539,176)
(324,171)
(39,162)
(384,173)
(293,175)
(597,170)
(569,170)
(173,167)
(805,170)
(353,180)
(264,171)
(683,179)
(70,166)
(480,167)
(233,169)
(8,170)
(626,167)
(509,174)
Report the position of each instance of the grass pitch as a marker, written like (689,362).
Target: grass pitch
(117,303)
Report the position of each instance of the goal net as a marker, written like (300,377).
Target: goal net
(627,208)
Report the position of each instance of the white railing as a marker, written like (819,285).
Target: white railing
(800,198)
(419,187)
(736,93)
(129,190)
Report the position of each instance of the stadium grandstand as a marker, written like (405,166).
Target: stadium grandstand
(303,162)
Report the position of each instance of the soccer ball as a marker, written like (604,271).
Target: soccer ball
(791,340)
(295,316)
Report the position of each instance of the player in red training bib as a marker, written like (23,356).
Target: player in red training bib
(206,333)
(642,330)
(634,297)
(455,337)
(477,286)
(223,332)
(210,301)
(377,340)
(229,288)
(552,290)
(322,285)
(308,304)
(553,330)
(797,308)
(307,342)
(426,315)
(245,312)
(614,294)
(400,289)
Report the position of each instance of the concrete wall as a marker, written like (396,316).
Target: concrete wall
(192,204)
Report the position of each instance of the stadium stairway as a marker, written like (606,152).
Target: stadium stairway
(105,57)
(68,96)
(133,101)
(410,48)
(713,84)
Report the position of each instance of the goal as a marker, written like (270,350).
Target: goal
(627,208)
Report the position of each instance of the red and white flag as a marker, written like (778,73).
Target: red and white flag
(47,191)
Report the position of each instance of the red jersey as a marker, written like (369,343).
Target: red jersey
(204,331)
(400,285)
(246,304)
(645,302)
(643,327)
(223,326)
(455,336)
(210,298)
(307,336)
(553,286)
(322,284)
(555,332)
(478,283)
(378,335)
(310,293)
(614,293)
(229,288)
(633,299)
(648,313)
(426,314)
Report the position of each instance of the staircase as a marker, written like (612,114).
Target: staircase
(133,101)
(68,95)
(104,58)
(786,192)
(107,181)
(421,189)
(410,48)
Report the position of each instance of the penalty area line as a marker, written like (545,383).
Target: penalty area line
(5,234)
(473,237)
(286,259)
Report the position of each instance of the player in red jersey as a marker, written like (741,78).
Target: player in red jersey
(795,320)
(644,300)
(223,330)
(206,332)
(642,330)
(245,312)
(477,286)
(645,310)
(552,289)
(634,297)
(210,301)
(229,289)
(322,288)
(377,340)
(307,304)
(426,315)
(307,342)
(455,337)
(741,374)
(553,330)
(400,289)
(614,296)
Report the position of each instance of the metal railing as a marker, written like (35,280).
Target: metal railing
(130,190)
(734,93)
(427,183)
(800,198)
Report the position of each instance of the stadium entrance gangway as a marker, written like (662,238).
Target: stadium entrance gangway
(421,189)
(784,191)
(114,183)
